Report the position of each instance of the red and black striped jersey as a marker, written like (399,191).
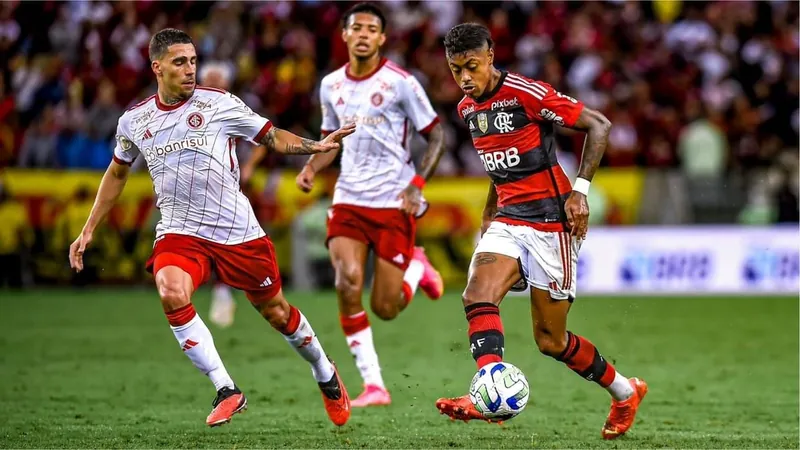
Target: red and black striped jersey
(512,130)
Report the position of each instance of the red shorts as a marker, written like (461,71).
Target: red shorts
(389,231)
(250,267)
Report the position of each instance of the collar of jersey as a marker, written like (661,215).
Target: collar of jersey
(488,95)
(164,107)
(363,77)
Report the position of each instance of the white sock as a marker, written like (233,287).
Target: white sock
(363,350)
(414,274)
(197,343)
(620,389)
(305,343)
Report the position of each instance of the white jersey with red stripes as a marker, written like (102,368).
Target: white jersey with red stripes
(376,161)
(190,150)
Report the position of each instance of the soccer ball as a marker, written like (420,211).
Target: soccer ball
(499,391)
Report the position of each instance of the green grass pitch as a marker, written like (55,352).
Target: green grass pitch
(100,368)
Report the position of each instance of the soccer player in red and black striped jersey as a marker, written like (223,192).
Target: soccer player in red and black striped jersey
(534,220)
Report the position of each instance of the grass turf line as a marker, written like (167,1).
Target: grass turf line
(100,368)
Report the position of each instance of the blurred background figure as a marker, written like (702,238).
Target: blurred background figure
(703,97)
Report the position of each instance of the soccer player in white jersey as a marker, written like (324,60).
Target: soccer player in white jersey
(223,307)
(187,135)
(378,195)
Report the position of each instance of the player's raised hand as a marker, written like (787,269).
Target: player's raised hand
(305,179)
(411,198)
(577,209)
(77,248)
(333,141)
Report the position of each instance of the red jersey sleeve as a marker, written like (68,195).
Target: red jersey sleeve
(545,103)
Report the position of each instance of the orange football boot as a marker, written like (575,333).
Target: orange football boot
(228,402)
(461,408)
(620,419)
(334,395)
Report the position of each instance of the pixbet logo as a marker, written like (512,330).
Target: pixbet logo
(505,103)
(502,159)
(469,109)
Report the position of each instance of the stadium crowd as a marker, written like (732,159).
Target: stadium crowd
(711,87)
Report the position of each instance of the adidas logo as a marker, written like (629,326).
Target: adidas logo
(399,259)
(340,102)
(354,344)
(147,134)
(307,340)
(189,344)
(267,282)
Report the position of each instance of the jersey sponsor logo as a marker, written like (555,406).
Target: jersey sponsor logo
(151,153)
(199,104)
(483,122)
(362,120)
(376,99)
(468,110)
(546,114)
(503,122)
(144,117)
(195,120)
(505,103)
(501,159)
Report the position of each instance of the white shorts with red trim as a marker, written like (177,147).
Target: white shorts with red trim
(548,260)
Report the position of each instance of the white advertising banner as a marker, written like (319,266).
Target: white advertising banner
(690,260)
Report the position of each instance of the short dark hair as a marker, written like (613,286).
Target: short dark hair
(161,41)
(367,8)
(465,37)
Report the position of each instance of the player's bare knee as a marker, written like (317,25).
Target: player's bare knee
(173,294)
(385,310)
(276,311)
(549,343)
(348,280)
(477,293)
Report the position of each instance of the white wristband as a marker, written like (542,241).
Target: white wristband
(582,186)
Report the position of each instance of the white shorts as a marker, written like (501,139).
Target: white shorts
(548,259)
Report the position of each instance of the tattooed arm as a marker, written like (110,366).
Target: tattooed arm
(317,162)
(434,152)
(597,128)
(412,194)
(282,141)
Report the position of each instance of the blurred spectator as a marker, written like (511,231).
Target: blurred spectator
(15,239)
(674,77)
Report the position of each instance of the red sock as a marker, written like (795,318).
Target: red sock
(408,293)
(583,358)
(292,323)
(181,316)
(485,333)
(355,323)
